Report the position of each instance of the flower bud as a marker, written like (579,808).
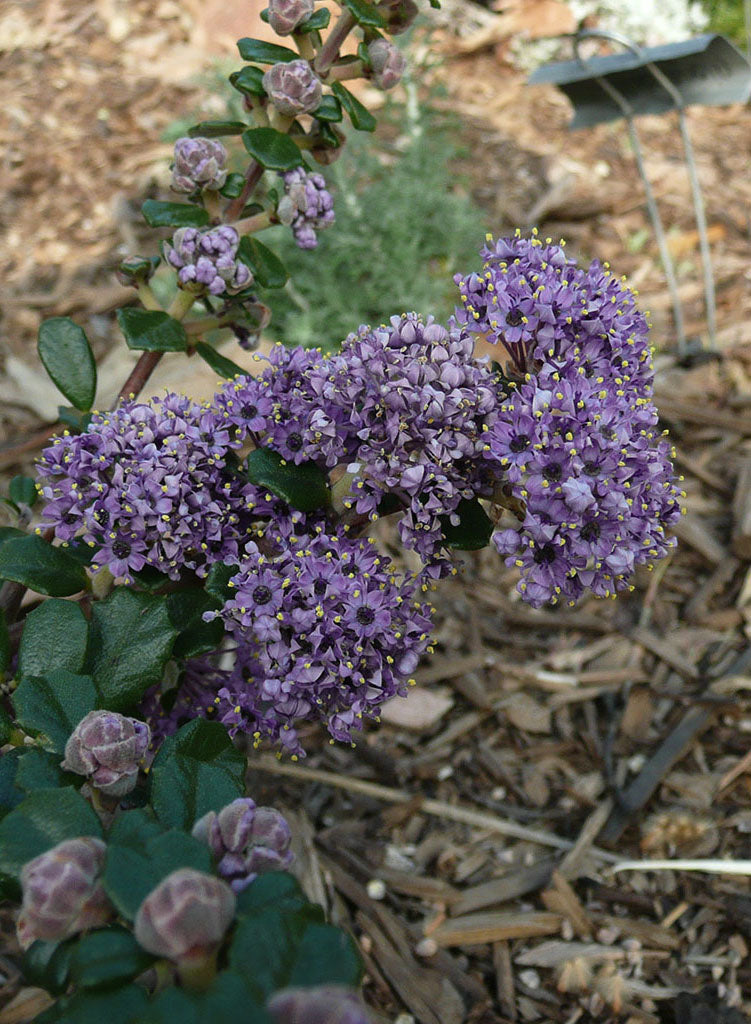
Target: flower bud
(293,87)
(206,260)
(246,841)
(327,1004)
(387,63)
(62,892)
(399,14)
(286,15)
(136,270)
(186,916)
(199,164)
(307,206)
(107,748)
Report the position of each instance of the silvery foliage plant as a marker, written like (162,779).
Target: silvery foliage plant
(203,573)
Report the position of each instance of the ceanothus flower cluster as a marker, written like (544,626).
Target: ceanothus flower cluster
(206,260)
(246,841)
(576,437)
(306,206)
(199,164)
(144,486)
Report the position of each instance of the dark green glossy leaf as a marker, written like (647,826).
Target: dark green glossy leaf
(264,947)
(227,1001)
(473,530)
(41,821)
(40,567)
(77,421)
(304,487)
(248,80)
(47,964)
(266,266)
(55,635)
(107,958)
(330,109)
(216,129)
(125,1005)
(160,214)
(40,769)
(275,890)
(261,52)
(22,490)
(218,363)
(10,794)
(318,20)
(10,533)
(5,651)
(67,357)
(186,609)
(131,641)
(148,330)
(325,956)
(196,770)
(365,13)
(51,707)
(217,581)
(233,186)
(272,149)
(359,115)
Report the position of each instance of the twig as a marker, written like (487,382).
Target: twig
(236,207)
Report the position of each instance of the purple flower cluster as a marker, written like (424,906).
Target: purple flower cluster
(144,486)
(206,260)
(246,841)
(293,87)
(576,437)
(306,206)
(199,164)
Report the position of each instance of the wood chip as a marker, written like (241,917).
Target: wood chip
(420,711)
(495,927)
(500,890)
(560,898)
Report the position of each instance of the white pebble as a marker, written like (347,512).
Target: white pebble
(376,888)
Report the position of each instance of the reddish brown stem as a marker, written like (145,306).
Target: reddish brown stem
(236,207)
(140,374)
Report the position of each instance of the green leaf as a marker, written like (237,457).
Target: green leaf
(5,649)
(47,964)
(196,770)
(140,854)
(219,363)
(227,1001)
(274,890)
(304,486)
(51,707)
(149,330)
(186,608)
(40,769)
(9,533)
(107,958)
(67,357)
(473,530)
(260,52)
(318,20)
(217,581)
(159,214)
(124,1005)
(10,794)
(40,567)
(266,266)
(264,947)
(41,821)
(55,635)
(77,421)
(359,115)
(365,13)
(131,640)
(330,109)
(325,956)
(248,80)
(216,129)
(233,186)
(22,490)
(272,149)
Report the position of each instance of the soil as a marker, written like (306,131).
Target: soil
(471,841)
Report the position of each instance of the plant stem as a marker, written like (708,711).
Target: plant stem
(255,223)
(330,49)
(212,205)
(208,323)
(341,72)
(148,361)
(197,974)
(236,207)
(304,44)
(147,297)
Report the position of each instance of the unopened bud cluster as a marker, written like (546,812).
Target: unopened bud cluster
(246,841)
(107,748)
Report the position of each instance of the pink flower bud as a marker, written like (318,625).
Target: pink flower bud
(286,15)
(62,892)
(293,87)
(387,62)
(246,841)
(199,163)
(186,916)
(327,1004)
(107,748)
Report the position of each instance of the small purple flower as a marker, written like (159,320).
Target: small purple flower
(293,87)
(62,892)
(246,841)
(186,917)
(306,206)
(206,260)
(107,748)
(387,62)
(199,164)
(286,15)
(324,1004)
